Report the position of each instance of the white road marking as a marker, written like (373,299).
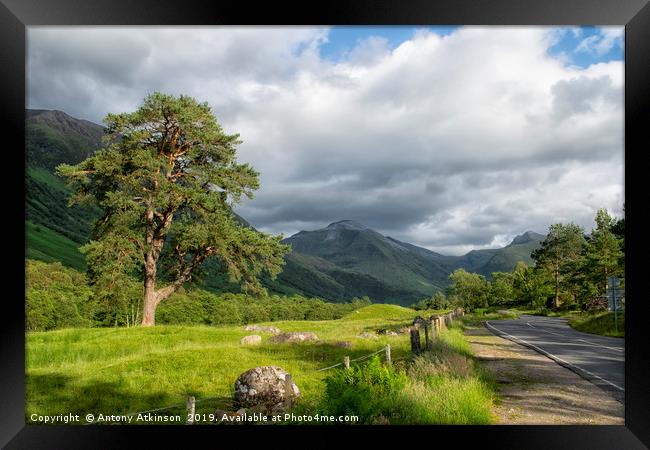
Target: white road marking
(544,352)
(582,340)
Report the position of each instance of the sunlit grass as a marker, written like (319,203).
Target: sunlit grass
(124,370)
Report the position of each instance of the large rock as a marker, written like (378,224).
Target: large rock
(296,336)
(264,387)
(262,328)
(253,339)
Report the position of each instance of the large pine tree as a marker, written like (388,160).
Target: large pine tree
(167,181)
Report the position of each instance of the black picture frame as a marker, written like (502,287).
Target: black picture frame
(15,15)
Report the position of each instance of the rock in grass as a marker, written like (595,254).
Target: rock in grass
(343,344)
(263,386)
(253,339)
(366,335)
(262,328)
(296,336)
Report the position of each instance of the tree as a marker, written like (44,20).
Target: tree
(501,290)
(531,286)
(603,250)
(471,289)
(167,181)
(562,246)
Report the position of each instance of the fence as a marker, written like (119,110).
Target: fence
(431,327)
(190,403)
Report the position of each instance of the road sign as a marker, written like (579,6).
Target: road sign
(614,294)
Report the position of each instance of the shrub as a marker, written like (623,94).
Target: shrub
(180,309)
(366,391)
(57,297)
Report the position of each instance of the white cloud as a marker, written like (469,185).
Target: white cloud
(453,142)
(600,44)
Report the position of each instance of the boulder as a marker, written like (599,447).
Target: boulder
(262,328)
(366,335)
(253,339)
(264,387)
(296,336)
(343,344)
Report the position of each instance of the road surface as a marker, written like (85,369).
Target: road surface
(600,359)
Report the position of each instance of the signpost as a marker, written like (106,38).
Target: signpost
(614,297)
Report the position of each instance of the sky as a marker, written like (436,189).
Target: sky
(451,138)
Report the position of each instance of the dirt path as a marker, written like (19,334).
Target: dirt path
(536,390)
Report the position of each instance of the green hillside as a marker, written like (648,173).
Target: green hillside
(46,245)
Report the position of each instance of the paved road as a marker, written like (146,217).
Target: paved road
(597,358)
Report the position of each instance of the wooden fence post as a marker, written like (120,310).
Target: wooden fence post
(288,391)
(428,341)
(415,340)
(346,362)
(190,405)
(432,323)
(388,362)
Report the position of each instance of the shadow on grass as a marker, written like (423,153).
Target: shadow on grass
(53,394)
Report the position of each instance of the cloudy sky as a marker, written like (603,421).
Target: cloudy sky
(452,138)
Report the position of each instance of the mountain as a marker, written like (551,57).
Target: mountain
(341,261)
(348,254)
(55,231)
(54,137)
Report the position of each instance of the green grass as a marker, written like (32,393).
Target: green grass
(123,370)
(600,323)
(46,245)
(45,176)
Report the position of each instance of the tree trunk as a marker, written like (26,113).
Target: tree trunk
(557,287)
(150,301)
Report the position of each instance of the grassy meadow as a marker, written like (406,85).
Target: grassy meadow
(125,370)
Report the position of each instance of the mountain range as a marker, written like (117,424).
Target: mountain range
(338,262)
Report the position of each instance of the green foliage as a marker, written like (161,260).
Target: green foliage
(366,391)
(530,286)
(57,297)
(603,251)
(438,387)
(501,288)
(559,252)
(436,301)
(470,290)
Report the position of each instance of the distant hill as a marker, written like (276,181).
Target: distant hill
(341,261)
(347,255)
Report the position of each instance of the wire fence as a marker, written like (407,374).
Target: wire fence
(434,323)
(178,405)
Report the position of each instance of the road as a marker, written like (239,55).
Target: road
(600,359)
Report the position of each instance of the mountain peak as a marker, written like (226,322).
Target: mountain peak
(346,224)
(528,236)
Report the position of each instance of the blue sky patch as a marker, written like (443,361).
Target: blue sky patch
(576,46)
(342,39)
